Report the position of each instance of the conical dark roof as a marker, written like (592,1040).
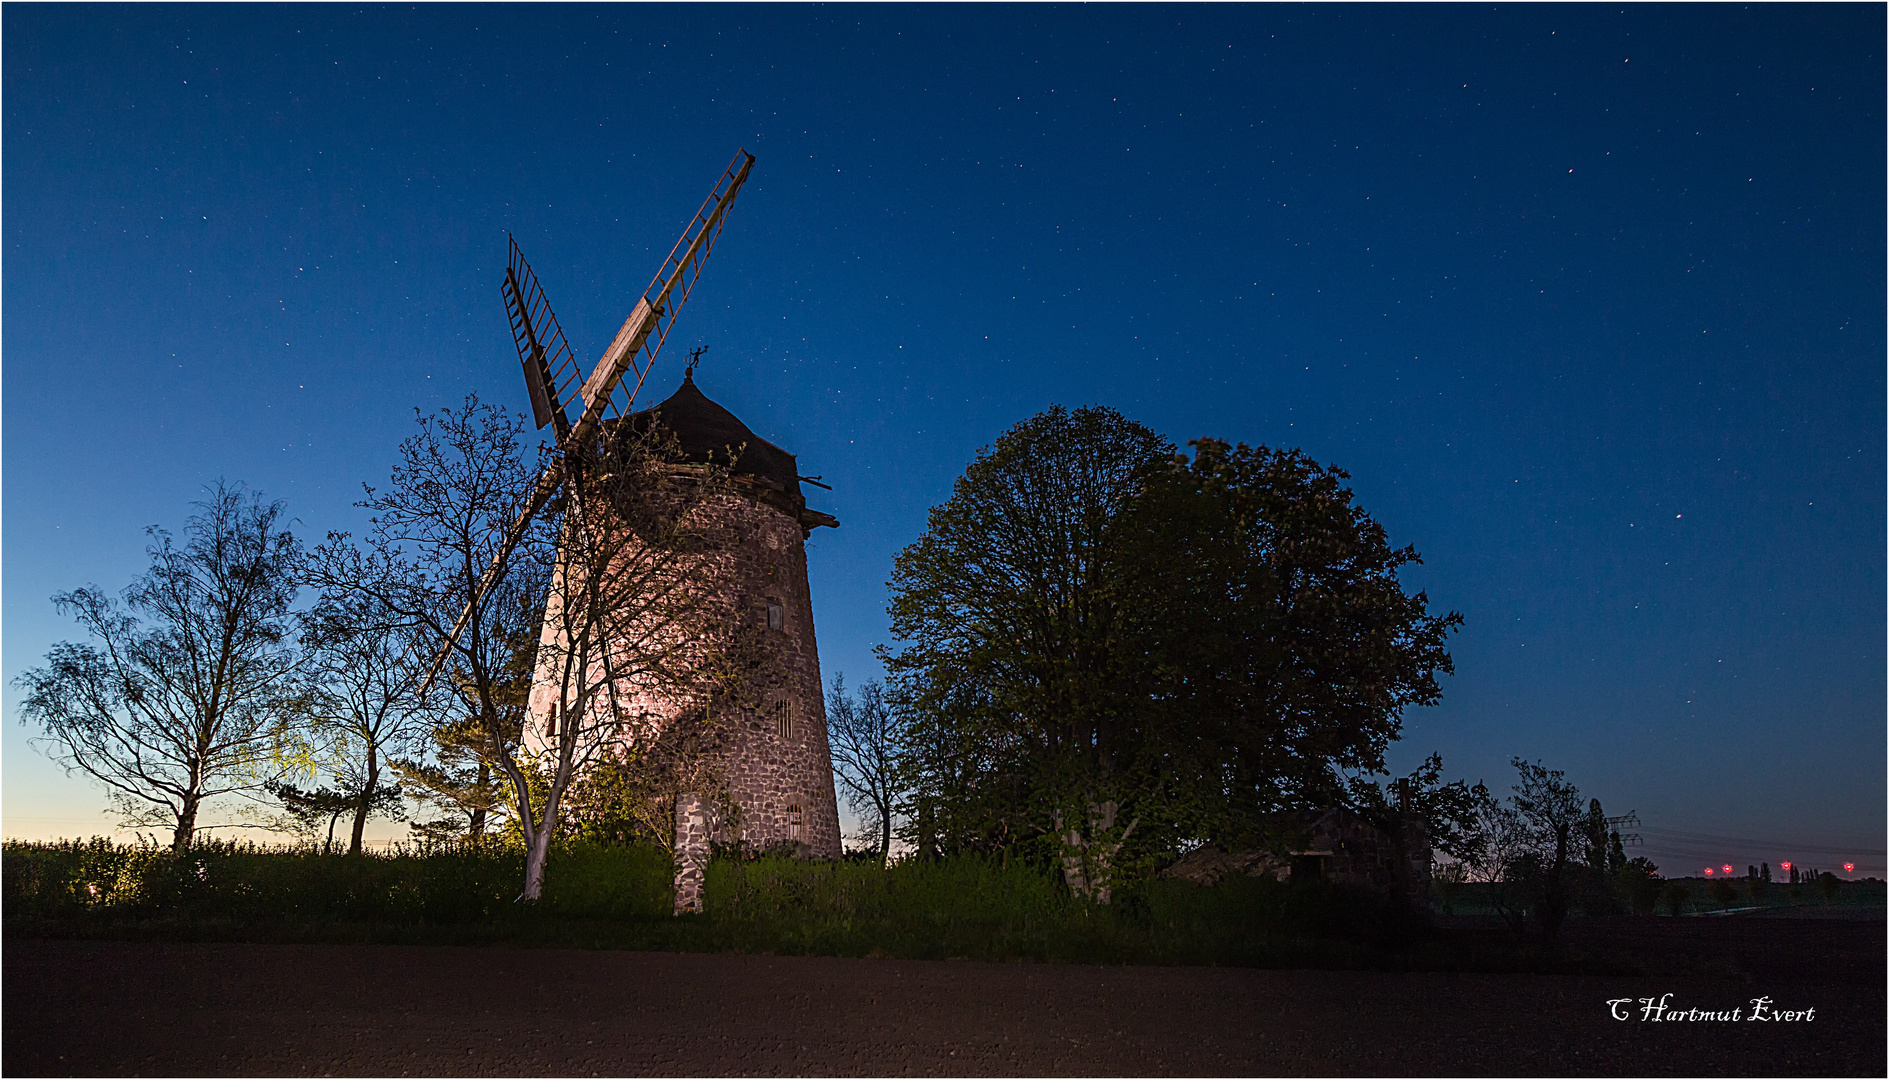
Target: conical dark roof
(705,429)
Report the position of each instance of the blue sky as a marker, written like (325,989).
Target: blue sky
(1589,302)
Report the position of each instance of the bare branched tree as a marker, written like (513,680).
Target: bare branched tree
(865,745)
(200,702)
(642,656)
(598,612)
(364,678)
(437,527)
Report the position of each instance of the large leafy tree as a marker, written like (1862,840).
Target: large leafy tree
(1278,648)
(187,691)
(1009,607)
(1098,635)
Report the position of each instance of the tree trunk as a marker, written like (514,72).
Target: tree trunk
(1072,857)
(695,825)
(536,854)
(885,833)
(186,825)
(476,827)
(1089,864)
(1554,906)
(367,796)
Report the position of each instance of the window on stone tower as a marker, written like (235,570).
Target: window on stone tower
(776,615)
(793,821)
(784,719)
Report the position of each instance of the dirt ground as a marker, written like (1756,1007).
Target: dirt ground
(126,1008)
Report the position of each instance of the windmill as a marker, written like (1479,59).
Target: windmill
(551,368)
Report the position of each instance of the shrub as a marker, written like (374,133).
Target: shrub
(1674,896)
(619,896)
(1828,884)
(1643,891)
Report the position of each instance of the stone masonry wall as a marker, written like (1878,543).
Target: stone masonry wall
(769,772)
(778,773)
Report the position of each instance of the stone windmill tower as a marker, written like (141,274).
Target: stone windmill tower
(779,770)
(776,768)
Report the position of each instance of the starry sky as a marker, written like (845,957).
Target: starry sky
(1588,301)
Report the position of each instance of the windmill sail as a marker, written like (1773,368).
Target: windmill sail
(643,333)
(550,366)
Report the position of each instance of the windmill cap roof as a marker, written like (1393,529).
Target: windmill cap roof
(705,429)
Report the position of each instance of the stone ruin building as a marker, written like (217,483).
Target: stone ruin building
(1326,845)
(777,768)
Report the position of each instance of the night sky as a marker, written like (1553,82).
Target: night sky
(1588,301)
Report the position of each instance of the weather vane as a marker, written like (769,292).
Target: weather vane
(695,357)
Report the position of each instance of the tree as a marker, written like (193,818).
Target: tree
(198,703)
(600,604)
(311,809)
(1100,635)
(1498,852)
(1551,812)
(638,613)
(1759,887)
(866,758)
(1011,674)
(434,532)
(1278,648)
(1675,896)
(1527,849)
(364,678)
(1451,812)
(459,782)
(1829,884)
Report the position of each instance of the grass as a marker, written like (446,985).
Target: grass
(617,897)
(599,896)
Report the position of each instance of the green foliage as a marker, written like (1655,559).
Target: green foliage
(1012,671)
(1276,647)
(1092,620)
(1675,896)
(990,909)
(245,882)
(620,897)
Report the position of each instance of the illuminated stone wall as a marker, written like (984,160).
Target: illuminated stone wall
(776,766)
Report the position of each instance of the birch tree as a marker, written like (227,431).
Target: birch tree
(434,530)
(187,691)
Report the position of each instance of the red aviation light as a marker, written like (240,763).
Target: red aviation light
(1785,865)
(1708,871)
(1728,869)
(1849,867)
